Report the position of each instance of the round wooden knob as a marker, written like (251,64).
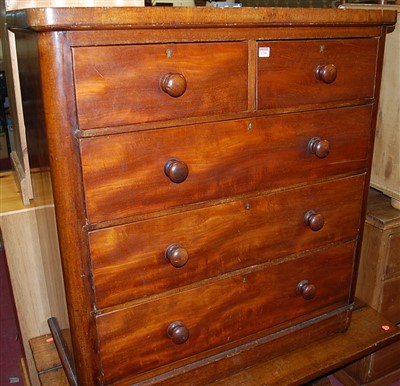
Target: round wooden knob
(307,290)
(178,332)
(177,171)
(319,147)
(173,84)
(314,220)
(326,73)
(176,255)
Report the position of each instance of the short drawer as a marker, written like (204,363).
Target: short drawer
(222,312)
(142,172)
(302,72)
(158,82)
(152,256)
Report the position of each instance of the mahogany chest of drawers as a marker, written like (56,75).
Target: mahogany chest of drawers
(209,169)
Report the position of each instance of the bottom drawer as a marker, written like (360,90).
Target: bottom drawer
(136,339)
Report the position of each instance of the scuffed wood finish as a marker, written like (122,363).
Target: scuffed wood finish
(56,68)
(163,149)
(320,360)
(379,277)
(215,76)
(322,356)
(379,284)
(129,261)
(119,18)
(224,159)
(262,299)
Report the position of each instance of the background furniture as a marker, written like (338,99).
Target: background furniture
(385,175)
(31,244)
(379,286)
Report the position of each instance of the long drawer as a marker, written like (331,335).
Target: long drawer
(294,73)
(159,82)
(142,172)
(213,315)
(152,256)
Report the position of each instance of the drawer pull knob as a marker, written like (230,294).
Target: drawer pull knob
(314,220)
(326,73)
(176,255)
(178,332)
(177,171)
(319,147)
(307,290)
(173,84)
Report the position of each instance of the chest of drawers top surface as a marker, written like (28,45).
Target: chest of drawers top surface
(209,169)
(77,18)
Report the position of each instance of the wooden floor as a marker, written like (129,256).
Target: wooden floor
(368,332)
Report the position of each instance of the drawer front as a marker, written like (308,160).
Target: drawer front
(130,174)
(384,361)
(159,82)
(222,312)
(389,303)
(393,255)
(148,257)
(315,71)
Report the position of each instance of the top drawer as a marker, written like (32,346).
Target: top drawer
(159,82)
(294,73)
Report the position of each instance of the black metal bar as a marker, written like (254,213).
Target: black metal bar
(62,351)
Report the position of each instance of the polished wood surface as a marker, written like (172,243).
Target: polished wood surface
(276,73)
(211,317)
(224,159)
(215,76)
(129,261)
(114,168)
(202,17)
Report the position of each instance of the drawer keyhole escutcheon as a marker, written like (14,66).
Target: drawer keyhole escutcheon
(177,171)
(306,289)
(178,332)
(319,147)
(314,220)
(326,73)
(176,255)
(173,84)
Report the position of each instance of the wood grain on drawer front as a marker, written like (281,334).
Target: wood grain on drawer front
(213,77)
(287,76)
(130,261)
(222,312)
(124,174)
